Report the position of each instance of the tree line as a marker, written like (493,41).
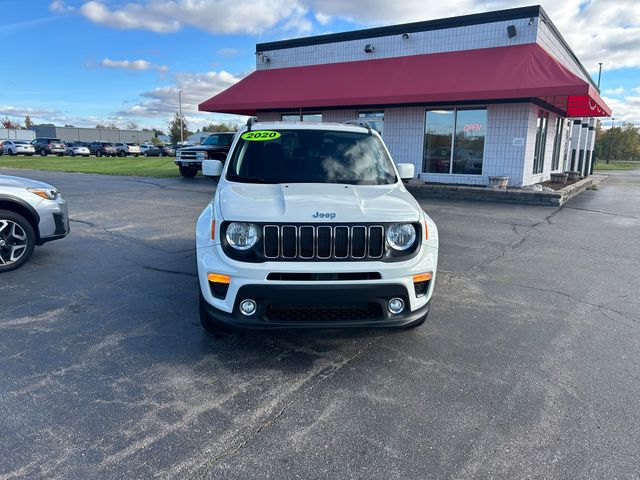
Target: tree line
(618,143)
(178,123)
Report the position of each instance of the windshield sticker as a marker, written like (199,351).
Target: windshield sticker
(260,135)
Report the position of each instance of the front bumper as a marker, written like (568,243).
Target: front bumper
(252,281)
(320,306)
(189,163)
(54,220)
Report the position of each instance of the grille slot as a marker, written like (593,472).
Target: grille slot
(271,241)
(323,242)
(323,277)
(324,313)
(289,241)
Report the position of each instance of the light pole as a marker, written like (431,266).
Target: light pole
(613,122)
(599,73)
(181,121)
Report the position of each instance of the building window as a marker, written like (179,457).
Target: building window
(301,117)
(541,141)
(454,141)
(375,119)
(557,143)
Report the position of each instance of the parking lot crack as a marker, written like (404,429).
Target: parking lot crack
(84,222)
(603,212)
(514,245)
(310,384)
(575,299)
(175,272)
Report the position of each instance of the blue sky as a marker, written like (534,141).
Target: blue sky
(85,62)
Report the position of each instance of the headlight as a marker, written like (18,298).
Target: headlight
(401,236)
(46,193)
(242,236)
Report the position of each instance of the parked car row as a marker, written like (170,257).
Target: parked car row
(16,147)
(55,146)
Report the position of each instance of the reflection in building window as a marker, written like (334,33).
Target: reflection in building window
(541,141)
(557,142)
(454,141)
(375,119)
(304,117)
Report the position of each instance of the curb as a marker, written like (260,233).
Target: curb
(504,195)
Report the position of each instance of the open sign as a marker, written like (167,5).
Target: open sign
(472,127)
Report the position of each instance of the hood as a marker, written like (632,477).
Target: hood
(21,182)
(317,203)
(202,148)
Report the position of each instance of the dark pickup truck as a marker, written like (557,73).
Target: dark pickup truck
(215,147)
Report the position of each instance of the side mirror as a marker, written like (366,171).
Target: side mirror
(211,168)
(406,170)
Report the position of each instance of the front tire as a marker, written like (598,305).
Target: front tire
(210,324)
(121,153)
(188,172)
(17,240)
(161,153)
(10,152)
(43,153)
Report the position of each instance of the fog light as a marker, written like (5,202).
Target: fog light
(395,305)
(248,307)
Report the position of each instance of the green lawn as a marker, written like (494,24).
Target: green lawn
(603,165)
(139,166)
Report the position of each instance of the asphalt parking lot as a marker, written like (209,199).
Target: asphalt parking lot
(528,366)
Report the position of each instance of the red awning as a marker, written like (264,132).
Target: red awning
(488,74)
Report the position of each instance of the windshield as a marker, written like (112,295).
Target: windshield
(312,156)
(222,140)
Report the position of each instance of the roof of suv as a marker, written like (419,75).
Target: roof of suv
(334,127)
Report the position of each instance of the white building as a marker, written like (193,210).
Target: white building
(463,99)
(197,138)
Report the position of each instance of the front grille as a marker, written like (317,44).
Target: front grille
(191,155)
(323,242)
(323,277)
(324,313)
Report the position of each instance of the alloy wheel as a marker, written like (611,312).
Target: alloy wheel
(13,242)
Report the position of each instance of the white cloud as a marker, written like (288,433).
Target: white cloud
(614,91)
(213,16)
(625,110)
(197,87)
(58,6)
(597,30)
(57,117)
(139,65)
(322,19)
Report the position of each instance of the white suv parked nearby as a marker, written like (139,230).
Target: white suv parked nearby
(124,149)
(311,226)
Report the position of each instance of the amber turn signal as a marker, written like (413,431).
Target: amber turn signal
(218,278)
(423,277)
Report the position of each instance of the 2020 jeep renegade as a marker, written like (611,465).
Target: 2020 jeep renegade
(311,226)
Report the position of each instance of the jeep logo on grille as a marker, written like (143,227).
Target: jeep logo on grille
(329,215)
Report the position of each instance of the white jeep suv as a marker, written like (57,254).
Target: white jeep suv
(311,226)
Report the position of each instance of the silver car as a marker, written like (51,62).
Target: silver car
(76,149)
(17,147)
(31,213)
